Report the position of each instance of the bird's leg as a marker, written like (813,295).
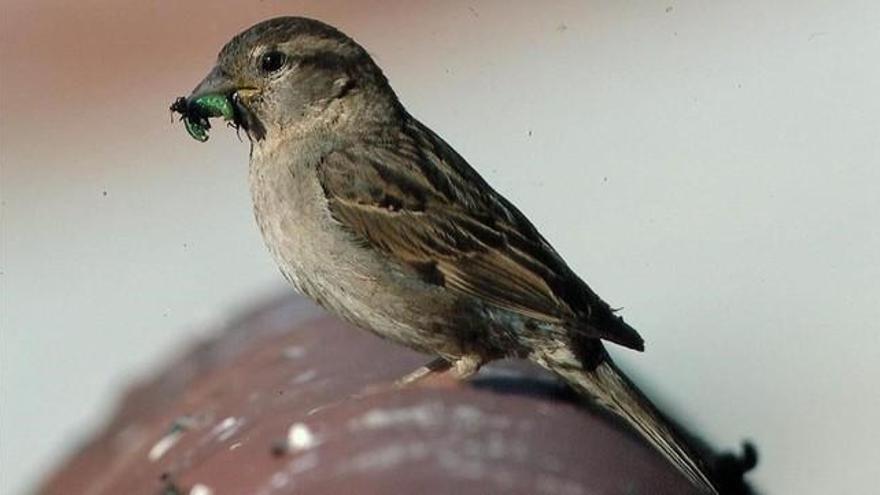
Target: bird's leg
(438,365)
(460,369)
(465,366)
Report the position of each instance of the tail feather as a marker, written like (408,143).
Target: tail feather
(609,387)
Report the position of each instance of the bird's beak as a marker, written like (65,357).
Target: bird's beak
(215,83)
(220,95)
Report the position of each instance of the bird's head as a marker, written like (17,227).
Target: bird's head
(287,75)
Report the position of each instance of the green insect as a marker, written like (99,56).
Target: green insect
(195,114)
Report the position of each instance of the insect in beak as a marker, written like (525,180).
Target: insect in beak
(196,112)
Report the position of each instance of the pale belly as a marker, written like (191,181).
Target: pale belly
(324,262)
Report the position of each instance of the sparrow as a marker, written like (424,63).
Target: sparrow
(374,216)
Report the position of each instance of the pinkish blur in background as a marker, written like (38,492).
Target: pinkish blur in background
(711,167)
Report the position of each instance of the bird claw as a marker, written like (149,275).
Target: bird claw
(460,369)
(438,365)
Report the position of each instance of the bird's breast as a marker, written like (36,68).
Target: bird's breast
(323,261)
(292,215)
(311,249)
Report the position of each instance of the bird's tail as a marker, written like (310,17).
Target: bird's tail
(606,385)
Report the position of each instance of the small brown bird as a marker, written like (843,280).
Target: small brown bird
(378,219)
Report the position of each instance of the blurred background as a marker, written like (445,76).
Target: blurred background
(711,167)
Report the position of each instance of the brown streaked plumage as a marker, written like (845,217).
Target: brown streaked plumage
(413,197)
(374,216)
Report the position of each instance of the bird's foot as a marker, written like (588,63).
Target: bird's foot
(458,370)
(438,365)
(466,366)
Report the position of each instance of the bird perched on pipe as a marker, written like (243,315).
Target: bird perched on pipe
(378,219)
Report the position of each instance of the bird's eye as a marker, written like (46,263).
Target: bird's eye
(272,61)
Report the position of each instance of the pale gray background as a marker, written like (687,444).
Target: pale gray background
(710,166)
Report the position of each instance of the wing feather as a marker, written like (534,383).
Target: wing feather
(412,197)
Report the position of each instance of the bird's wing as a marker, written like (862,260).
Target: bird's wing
(412,197)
